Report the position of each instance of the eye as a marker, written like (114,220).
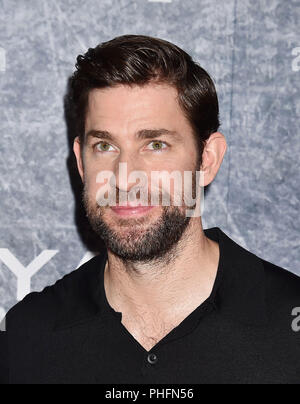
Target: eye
(158,145)
(102,146)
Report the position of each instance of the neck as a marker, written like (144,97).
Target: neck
(160,289)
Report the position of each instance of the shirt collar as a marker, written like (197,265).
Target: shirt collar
(238,292)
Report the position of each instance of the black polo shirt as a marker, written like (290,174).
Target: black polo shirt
(241,334)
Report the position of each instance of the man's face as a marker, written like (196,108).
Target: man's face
(123,113)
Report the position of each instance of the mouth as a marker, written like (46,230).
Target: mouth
(131,210)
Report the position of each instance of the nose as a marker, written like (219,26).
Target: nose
(124,168)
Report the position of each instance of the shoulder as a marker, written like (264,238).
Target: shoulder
(39,309)
(278,277)
(282,286)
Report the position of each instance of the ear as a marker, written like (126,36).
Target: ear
(78,154)
(213,154)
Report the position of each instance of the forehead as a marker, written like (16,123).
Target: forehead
(133,107)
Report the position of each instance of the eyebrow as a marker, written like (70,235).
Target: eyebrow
(140,135)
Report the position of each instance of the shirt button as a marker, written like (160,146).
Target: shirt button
(152,358)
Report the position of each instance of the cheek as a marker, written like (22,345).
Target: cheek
(90,183)
(185,163)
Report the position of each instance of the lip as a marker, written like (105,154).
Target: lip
(131,210)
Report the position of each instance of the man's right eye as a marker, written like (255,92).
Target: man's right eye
(102,146)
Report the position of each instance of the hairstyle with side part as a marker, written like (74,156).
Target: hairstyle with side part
(140,60)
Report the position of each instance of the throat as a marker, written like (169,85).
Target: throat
(146,333)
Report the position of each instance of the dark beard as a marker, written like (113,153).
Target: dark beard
(155,243)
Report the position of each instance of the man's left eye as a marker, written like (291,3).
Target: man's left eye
(157,145)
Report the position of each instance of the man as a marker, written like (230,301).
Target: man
(165,301)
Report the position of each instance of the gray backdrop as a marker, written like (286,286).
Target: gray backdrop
(251,49)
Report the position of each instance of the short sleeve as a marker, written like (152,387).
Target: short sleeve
(4,368)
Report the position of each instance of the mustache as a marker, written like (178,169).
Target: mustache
(178,196)
(137,198)
(136,195)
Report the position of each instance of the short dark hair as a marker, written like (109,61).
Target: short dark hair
(139,60)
